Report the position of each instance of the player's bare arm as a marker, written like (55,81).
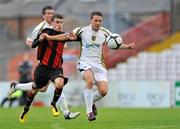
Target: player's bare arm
(127,46)
(71,36)
(61,37)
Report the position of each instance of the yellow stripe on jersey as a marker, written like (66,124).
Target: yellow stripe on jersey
(106,31)
(80,48)
(78,31)
(102,60)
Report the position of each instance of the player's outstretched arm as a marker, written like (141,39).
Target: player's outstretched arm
(127,46)
(55,37)
(60,37)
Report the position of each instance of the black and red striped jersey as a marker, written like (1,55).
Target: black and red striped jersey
(50,52)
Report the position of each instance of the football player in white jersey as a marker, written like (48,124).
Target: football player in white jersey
(47,13)
(91,63)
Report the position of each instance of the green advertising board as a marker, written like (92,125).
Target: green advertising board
(177,93)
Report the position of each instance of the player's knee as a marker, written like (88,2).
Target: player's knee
(59,83)
(103,92)
(89,83)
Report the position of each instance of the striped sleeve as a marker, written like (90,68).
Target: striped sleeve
(106,31)
(77,31)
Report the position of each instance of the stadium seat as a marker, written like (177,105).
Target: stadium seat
(151,66)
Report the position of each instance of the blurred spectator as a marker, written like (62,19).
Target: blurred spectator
(14,98)
(25,76)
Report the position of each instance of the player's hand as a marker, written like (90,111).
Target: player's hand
(42,37)
(46,36)
(131,46)
(71,36)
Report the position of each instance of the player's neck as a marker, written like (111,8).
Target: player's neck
(96,30)
(48,22)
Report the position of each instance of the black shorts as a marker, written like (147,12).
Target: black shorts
(43,74)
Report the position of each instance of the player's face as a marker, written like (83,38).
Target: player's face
(48,15)
(57,24)
(96,22)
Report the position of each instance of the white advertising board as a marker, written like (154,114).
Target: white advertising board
(121,94)
(139,94)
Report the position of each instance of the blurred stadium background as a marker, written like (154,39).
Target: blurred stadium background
(147,76)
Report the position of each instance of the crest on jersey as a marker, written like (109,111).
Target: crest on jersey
(93,38)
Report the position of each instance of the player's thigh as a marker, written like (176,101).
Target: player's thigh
(100,73)
(85,70)
(41,77)
(87,73)
(88,76)
(102,87)
(57,77)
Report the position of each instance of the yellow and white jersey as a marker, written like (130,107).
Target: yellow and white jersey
(38,30)
(92,43)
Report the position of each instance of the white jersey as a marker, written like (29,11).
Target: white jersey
(37,30)
(92,43)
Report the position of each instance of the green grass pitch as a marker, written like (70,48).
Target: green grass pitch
(108,118)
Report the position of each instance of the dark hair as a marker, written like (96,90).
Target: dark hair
(46,8)
(57,16)
(98,13)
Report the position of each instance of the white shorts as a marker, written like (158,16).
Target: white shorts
(100,73)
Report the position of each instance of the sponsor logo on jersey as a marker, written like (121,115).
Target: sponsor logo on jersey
(93,45)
